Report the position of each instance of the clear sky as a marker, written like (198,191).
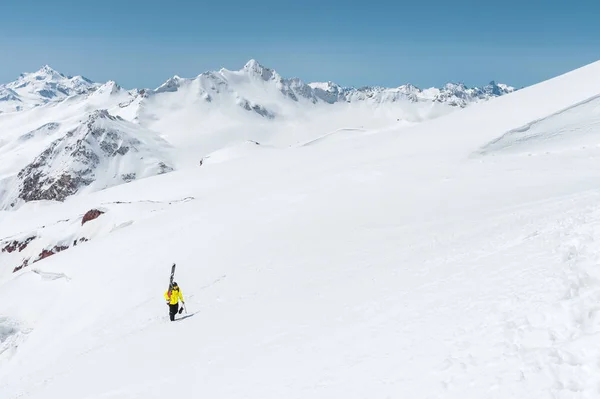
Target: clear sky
(424,42)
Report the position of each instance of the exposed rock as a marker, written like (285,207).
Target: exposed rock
(44,254)
(82,239)
(259,109)
(128,177)
(17,245)
(37,186)
(10,247)
(91,215)
(24,244)
(22,265)
(81,157)
(262,111)
(164,168)
(49,252)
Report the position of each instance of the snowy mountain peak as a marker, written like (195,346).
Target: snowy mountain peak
(455,86)
(110,87)
(172,84)
(253,67)
(49,71)
(102,114)
(325,86)
(48,85)
(45,73)
(224,87)
(409,87)
(43,86)
(497,89)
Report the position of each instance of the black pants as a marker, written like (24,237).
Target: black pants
(173,309)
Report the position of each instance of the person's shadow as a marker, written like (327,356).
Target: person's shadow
(186,316)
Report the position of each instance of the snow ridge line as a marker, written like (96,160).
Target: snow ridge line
(186,199)
(489,147)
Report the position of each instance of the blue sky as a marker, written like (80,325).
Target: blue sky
(427,43)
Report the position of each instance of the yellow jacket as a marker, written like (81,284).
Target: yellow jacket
(174,296)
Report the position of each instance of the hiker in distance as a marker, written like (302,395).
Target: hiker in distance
(173,296)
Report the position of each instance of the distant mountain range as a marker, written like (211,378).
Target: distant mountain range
(60,135)
(47,85)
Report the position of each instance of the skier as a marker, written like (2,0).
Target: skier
(173,296)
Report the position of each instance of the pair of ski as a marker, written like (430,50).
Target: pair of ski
(171,287)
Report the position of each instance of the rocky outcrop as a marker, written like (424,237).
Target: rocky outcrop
(259,109)
(85,156)
(22,265)
(17,245)
(45,253)
(49,252)
(82,239)
(91,215)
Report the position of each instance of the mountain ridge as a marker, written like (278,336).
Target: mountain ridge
(196,116)
(48,85)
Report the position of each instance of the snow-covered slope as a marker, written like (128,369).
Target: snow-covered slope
(100,152)
(456,259)
(224,108)
(196,117)
(577,126)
